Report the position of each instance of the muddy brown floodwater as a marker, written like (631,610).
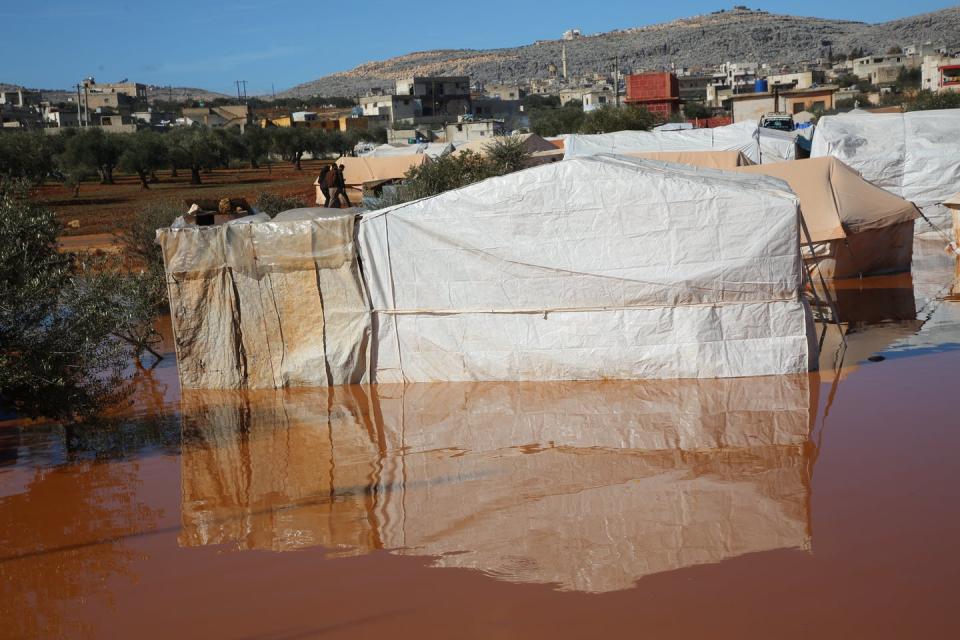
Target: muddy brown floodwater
(821,506)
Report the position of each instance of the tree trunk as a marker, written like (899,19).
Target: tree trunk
(195,175)
(296,161)
(154,178)
(254,164)
(143,180)
(76,190)
(102,174)
(173,172)
(108,170)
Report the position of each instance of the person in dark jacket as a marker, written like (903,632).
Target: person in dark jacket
(341,186)
(323,186)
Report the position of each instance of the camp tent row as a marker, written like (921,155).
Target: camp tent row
(633,269)
(915,155)
(759,145)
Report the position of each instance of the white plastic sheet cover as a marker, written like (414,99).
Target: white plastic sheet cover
(758,144)
(915,155)
(267,305)
(595,267)
(430,149)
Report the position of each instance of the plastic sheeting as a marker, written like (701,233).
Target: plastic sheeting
(595,267)
(915,155)
(758,144)
(432,150)
(269,304)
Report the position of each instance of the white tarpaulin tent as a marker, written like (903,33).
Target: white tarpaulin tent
(915,155)
(595,267)
(268,304)
(430,149)
(757,144)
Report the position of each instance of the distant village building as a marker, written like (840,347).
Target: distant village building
(468,130)
(438,95)
(597,98)
(940,73)
(750,106)
(117,97)
(218,117)
(693,88)
(659,93)
(883,69)
(571,34)
(505,91)
(798,80)
(393,108)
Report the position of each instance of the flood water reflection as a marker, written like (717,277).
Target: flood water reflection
(789,507)
(586,486)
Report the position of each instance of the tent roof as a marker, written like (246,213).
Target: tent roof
(707,159)
(835,199)
(369,169)
(432,149)
(531,141)
(758,144)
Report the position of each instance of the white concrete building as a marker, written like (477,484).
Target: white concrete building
(940,73)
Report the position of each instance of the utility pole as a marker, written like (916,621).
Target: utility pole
(79,119)
(616,79)
(240,98)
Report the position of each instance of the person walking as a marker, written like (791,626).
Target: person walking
(330,183)
(341,186)
(323,187)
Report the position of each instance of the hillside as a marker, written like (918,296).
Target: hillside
(153,93)
(736,35)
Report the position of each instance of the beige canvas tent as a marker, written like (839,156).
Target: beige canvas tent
(856,228)
(709,159)
(531,142)
(371,169)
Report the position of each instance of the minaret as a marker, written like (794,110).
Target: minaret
(563,57)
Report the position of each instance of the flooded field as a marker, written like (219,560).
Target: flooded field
(778,507)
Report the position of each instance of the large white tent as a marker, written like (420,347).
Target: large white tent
(757,144)
(595,267)
(915,155)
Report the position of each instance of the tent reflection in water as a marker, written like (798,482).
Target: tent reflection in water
(856,228)
(587,486)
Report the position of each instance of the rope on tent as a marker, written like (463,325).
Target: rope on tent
(823,282)
(951,244)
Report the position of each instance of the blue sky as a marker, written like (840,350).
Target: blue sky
(272,43)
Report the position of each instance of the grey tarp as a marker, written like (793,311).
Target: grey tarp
(266,305)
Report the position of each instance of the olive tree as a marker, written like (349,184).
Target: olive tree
(194,147)
(144,153)
(91,148)
(60,354)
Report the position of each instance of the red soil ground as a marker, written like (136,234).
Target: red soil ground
(100,207)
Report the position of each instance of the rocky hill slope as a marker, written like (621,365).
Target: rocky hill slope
(737,35)
(153,93)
